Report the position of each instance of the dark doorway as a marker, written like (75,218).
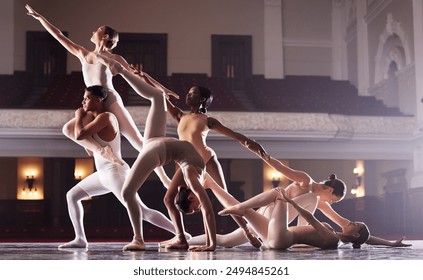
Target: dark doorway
(232,59)
(45,58)
(146,51)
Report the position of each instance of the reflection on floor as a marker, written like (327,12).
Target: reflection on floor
(113,251)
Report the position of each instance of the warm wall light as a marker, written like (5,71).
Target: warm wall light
(30,180)
(357,173)
(276,180)
(78,175)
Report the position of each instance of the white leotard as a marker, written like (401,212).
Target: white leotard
(100,75)
(109,175)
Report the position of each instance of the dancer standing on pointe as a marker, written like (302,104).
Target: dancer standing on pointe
(105,39)
(158,151)
(92,120)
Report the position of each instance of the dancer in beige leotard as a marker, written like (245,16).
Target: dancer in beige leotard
(194,127)
(159,150)
(105,39)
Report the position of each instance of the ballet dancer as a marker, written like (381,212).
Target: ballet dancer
(105,39)
(92,120)
(304,191)
(194,127)
(158,151)
(276,234)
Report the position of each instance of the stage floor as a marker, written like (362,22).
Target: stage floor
(113,251)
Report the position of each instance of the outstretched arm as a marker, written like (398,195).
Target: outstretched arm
(250,144)
(329,212)
(73,48)
(300,178)
(373,240)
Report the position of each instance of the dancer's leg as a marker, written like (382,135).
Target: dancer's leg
(228,200)
(279,237)
(156,218)
(228,240)
(156,119)
(262,199)
(74,199)
(147,160)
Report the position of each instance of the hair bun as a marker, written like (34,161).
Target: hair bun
(356,246)
(332,177)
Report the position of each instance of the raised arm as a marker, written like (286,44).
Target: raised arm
(250,144)
(73,48)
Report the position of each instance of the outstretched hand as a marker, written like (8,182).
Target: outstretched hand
(257,149)
(399,243)
(31,11)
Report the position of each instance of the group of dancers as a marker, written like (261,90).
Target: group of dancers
(102,119)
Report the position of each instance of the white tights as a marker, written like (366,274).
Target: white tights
(308,201)
(100,183)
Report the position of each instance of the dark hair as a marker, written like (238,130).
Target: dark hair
(208,96)
(338,186)
(182,202)
(98,91)
(113,37)
(364,236)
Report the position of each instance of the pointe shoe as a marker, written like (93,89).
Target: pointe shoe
(114,66)
(252,239)
(108,154)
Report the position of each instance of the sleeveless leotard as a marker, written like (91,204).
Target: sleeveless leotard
(100,75)
(108,175)
(194,129)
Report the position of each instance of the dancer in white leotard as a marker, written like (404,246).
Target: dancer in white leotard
(159,150)
(95,73)
(93,121)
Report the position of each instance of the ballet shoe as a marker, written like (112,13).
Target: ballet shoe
(76,243)
(114,66)
(135,245)
(252,239)
(107,153)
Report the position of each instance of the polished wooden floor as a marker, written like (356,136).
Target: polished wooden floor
(113,251)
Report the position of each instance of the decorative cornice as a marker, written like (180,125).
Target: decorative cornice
(278,126)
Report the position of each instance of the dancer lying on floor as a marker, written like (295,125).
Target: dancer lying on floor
(92,120)
(276,234)
(158,151)
(305,192)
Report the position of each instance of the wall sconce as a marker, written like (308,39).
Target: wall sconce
(30,180)
(357,175)
(276,180)
(78,176)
